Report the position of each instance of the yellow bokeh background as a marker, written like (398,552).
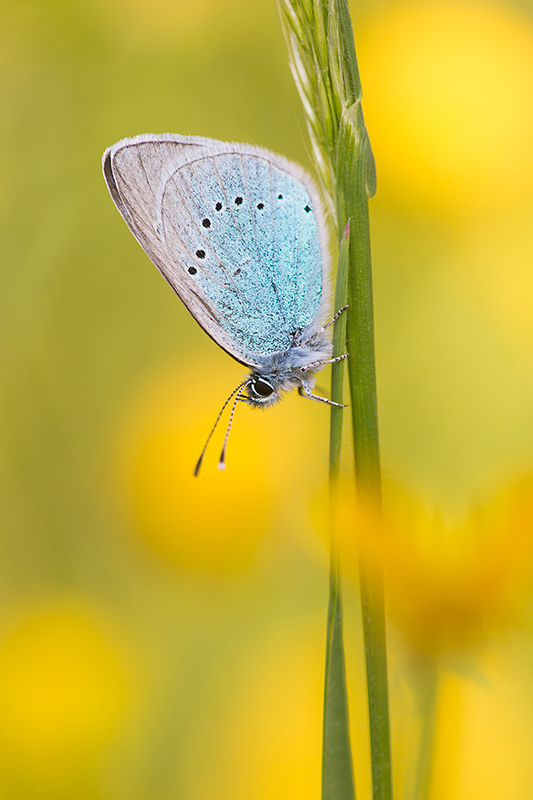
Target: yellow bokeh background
(213,522)
(449,104)
(162,635)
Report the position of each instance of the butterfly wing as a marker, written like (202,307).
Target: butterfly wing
(236,231)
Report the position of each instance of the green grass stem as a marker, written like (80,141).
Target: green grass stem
(323,61)
(337,768)
(353,205)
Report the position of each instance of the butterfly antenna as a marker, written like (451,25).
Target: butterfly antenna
(222,459)
(235,391)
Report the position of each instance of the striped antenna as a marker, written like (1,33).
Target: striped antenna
(235,391)
(222,459)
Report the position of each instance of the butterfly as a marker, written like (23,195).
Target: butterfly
(239,234)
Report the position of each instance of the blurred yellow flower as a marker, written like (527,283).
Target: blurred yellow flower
(215,522)
(64,689)
(270,745)
(448,100)
(484,730)
(449,586)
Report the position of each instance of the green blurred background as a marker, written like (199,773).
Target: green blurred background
(162,637)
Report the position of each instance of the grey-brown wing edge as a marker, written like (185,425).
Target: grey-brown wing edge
(196,304)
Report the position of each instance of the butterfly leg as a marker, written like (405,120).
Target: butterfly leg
(324,327)
(320,364)
(304,391)
(335,318)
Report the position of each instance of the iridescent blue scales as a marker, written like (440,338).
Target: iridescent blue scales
(238,233)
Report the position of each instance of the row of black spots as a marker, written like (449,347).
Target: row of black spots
(261,206)
(199,254)
(206,222)
(218,207)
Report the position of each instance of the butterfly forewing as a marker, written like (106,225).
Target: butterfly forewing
(235,230)
(224,265)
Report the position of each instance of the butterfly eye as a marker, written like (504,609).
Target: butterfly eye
(262,388)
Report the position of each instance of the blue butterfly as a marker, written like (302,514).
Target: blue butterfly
(239,234)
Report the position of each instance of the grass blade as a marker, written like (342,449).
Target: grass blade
(337,769)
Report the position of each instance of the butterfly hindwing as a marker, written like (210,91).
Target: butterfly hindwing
(235,230)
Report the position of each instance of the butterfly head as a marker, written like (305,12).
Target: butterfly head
(286,370)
